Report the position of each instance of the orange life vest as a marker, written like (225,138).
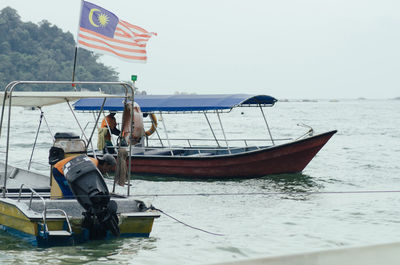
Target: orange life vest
(60,165)
(112,123)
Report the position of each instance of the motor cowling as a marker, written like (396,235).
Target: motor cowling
(88,186)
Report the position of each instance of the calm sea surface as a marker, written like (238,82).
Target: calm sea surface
(363,156)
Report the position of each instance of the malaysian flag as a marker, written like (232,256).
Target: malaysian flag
(102,31)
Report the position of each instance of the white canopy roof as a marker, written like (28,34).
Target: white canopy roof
(40,99)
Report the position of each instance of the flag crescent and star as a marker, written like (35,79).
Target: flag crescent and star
(91,16)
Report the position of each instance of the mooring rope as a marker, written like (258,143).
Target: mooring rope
(247,194)
(253,193)
(234,194)
(267,193)
(196,228)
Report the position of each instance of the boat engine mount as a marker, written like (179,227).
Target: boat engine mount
(89,188)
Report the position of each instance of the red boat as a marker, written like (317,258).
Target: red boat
(219,161)
(247,162)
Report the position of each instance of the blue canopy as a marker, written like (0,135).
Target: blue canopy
(178,103)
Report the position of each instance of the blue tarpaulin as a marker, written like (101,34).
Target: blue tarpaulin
(178,103)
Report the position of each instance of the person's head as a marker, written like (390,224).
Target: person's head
(112,113)
(106,163)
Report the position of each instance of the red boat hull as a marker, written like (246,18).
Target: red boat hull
(291,157)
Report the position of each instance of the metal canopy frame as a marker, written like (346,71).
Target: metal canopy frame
(225,139)
(8,95)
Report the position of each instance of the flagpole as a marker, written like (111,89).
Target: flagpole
(76,47)
(73,70)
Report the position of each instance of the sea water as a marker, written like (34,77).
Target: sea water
(320,208)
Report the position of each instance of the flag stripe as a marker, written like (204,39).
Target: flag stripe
(125,41)
(111,45)
(128,50)
(142,30)
(125,32)
(104,49)
(131,33)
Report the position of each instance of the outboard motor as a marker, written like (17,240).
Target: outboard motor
(66,144)
(89,188)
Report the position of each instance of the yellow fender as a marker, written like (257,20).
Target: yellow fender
(153,125)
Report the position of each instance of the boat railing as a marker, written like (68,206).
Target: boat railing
(180,150)
(309,133)
(32,192)
(191,140)
(45,210)
(55,210)
(30,201)
(187,151)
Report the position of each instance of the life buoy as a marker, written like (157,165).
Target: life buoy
(138,128)
(153,127)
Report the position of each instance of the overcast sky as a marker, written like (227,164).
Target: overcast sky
(328,49)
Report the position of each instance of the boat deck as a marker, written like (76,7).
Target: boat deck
(33,207)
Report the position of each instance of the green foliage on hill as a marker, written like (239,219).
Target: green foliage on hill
(43,51)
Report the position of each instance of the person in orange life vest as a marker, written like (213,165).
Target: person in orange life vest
(104,164)
(112,124)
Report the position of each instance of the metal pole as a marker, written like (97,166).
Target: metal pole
(120,137)
(48,127)
(108,128)
(2,110)
(10,86)
(4,104)
(37,134)
(73,71)
(159,138)
(165,129)
(265,119)
(76,119)
(223,132)
(131,138)
(94,128)
(94,119)
(8,142)
(209,124)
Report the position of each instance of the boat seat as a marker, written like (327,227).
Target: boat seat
(161,152)
(158,152)
(178,151)
(201,154)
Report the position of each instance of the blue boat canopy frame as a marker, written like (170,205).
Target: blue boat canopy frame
(179,103)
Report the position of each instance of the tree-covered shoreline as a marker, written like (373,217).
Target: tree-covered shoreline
(42,51)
